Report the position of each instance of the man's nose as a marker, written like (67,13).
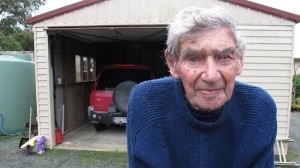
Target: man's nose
(211,72)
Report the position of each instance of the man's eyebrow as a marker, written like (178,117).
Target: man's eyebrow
(192,52)
(227,50)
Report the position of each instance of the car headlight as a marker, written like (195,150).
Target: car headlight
(90,109)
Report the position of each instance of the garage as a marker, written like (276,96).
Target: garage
(73,42)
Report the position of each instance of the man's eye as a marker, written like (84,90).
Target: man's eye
(225,59)
(224,56)
(192,59)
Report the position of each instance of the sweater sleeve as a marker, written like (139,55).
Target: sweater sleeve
(135,104)
(145,141)
(145,136)
(258,110)
(267,106)
(265,158)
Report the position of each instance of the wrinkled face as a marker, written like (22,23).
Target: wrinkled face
(207,65)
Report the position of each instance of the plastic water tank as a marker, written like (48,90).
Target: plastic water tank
(17,93)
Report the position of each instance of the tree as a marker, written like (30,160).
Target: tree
(25,39)
(8,43)
(14,12)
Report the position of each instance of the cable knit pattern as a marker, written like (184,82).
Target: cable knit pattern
(162,132)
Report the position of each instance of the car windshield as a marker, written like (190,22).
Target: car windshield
(110,78)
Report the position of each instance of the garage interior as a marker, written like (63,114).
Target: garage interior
(73,47)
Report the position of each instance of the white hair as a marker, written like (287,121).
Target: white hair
(193,20)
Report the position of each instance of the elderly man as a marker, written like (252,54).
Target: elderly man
(201,116)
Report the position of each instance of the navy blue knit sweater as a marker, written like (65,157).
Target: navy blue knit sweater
(162,132)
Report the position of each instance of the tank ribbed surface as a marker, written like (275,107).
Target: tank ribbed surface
(17,93)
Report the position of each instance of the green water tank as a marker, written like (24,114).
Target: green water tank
(17,93)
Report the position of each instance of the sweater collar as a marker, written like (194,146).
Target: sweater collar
(204,116)
(187,114)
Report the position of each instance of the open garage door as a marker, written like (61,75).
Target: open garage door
(89,48)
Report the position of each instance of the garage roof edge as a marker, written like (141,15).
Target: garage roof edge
(83,3)
(60,11)
(267,9)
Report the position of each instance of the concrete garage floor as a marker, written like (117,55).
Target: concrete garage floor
(86,137)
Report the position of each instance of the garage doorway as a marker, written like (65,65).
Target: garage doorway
(89,48)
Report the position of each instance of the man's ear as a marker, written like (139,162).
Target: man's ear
(240,65)
(171,64)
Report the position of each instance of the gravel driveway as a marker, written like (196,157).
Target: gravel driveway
(294,147)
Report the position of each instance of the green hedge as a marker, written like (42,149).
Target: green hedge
(297,83)
(296,92)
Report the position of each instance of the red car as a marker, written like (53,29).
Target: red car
(109,96)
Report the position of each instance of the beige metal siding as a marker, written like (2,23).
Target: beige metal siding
(268,64)
(44,87)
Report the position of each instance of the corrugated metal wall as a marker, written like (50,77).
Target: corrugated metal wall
(44,87)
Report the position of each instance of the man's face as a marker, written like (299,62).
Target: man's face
(207,65)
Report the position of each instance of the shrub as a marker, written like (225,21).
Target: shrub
(295,107)
(297,87)
(298,101)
